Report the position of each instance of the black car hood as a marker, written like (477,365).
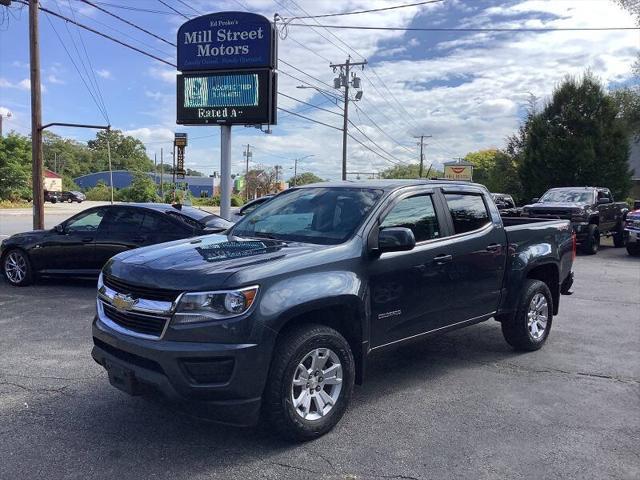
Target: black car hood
(566,205)
(204,262)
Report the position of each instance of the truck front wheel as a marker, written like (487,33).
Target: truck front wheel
(310,382)
(619,236)
(529,328)
(592,242)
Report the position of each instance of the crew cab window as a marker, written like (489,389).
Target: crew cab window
(416,213)
(88,222)
(468,211)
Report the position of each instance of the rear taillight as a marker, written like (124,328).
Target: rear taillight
(574,245)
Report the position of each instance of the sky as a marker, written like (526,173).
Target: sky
(468,90)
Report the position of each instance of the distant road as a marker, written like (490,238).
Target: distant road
(15,220)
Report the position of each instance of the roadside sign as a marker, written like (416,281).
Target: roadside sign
(458,172)
(225,41)
(237,97)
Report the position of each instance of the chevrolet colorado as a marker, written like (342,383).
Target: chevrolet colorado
(281,312)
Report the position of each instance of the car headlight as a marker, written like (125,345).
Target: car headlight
(220,305)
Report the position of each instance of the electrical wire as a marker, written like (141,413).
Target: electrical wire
(372,141)
(310,104)
(189,6)
(98,90)
(124,20)
(466,29)
(133,9)
(171,8)
(358,12)
(309,119)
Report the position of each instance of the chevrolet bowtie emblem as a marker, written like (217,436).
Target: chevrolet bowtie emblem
(123,302)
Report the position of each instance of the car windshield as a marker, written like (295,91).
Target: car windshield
(567,196)
(320,215)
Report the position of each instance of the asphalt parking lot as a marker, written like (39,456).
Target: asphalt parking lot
(463,405)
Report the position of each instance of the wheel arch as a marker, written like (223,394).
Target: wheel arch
(343,314)
(549,274)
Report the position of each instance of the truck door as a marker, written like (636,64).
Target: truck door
(607,211)
(411,292)
(478,247)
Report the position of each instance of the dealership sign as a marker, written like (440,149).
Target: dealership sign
(228,61)
(458,171)
(226,40)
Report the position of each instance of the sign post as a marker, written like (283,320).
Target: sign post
(227,62)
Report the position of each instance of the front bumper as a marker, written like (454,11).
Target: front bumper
(581,229)
(228,377)
(633,236)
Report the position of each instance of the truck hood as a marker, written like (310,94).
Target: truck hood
(555,205)
(200,263)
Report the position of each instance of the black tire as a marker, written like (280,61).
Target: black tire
(54,200)
(292,348)
(592,242)
(20,256)
(619,236)
(516,328)
(70,200)
(633,249)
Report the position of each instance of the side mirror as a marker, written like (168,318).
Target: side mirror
(603,201)
(396,239)
(59,228)
(535,199)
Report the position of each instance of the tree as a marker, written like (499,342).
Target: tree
(409,171)
(142,189)
(15,167)
(304,178)
(127,153)
(260,181)
(577,139)
(496,170)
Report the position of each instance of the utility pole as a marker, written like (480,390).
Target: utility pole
(344,80)
(422,137)
(295,171)
(247,154)
(55,162)
(225,171)
(161,174)
(36,118)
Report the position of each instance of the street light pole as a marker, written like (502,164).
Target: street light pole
(295,167)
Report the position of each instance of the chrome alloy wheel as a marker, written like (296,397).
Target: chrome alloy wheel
(538,316)
(316,384)
(15,267)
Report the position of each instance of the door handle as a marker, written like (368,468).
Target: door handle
(493,247)
(87,239)
(442,259)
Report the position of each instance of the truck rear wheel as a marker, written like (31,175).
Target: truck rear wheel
(310,382)
(529,328)
(592,242)
(619,236)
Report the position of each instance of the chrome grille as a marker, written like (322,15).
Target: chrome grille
(138,291)
(550,213)
(137,322)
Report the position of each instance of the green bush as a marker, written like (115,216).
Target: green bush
(101,192)
(207,201)
(237,201)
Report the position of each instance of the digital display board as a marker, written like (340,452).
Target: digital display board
(226,98)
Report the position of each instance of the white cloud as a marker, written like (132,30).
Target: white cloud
(52,78)
(24,84)
(4,111)
(104,73)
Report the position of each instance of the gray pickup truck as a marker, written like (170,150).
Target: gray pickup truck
(281,312)
(591,210)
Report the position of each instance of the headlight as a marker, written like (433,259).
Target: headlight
(100,281)
(219,305)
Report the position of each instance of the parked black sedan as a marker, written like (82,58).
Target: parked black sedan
(81,245)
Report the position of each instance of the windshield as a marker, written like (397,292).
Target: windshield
(568,196)
(326,216)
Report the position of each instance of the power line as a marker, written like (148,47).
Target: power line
(358,12)
(97,32)
(189,6)
(370,149)
(91,69)
(434,29)
(359,109)
(128,22)
(133,9)
(372,141)
(171,8)
(310,104)
(75,65)
(309,119)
